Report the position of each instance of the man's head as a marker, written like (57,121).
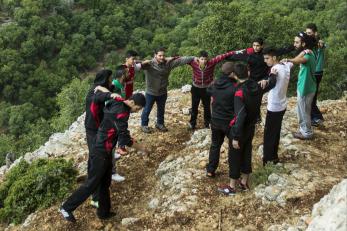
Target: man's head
(104,78)
(203,58)
(159,54)
(241,71)
(136,102)
(257,45)
(121,73)
(130,57)
(270,56)
(228,69)
(303,41)
(311,29)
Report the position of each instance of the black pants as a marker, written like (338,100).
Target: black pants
(99,179)
(240,160)
(272,134)
(218,134)
(315,112)
(197,95)
(91,136)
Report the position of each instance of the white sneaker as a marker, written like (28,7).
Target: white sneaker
(118,178)
(117,156)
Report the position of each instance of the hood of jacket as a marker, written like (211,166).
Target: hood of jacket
(223,82)
(102,78)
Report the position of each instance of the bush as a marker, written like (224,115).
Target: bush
(28,187)
(261,174)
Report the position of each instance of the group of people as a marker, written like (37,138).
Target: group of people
(231,109)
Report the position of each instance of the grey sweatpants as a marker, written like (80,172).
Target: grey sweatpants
(304,114)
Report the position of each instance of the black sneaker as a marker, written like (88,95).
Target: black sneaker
(107,216)
(146,129)
(67,215)
(161,127)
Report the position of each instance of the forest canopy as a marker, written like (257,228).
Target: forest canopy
(50,49)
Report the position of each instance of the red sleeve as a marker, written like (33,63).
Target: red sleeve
(221,57)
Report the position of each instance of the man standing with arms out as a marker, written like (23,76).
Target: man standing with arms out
(306,86)
(276,106)
(157,73)
(311,30)
(203,71)
(222,93)
(255,59)
(113,128)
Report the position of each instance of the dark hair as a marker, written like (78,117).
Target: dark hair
(102,76)
(227,68)
(310,41)
(241,71)
(259,40)
(270,51)
(139,99)
(159,49)
(131,53)
(312,26)
(120,71)
(203,54)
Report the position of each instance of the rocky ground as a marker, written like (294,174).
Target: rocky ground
(168,190)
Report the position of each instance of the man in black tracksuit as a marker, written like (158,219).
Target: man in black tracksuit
(247,102)
(113,128)
(254,58)
(222,93)
(95,102)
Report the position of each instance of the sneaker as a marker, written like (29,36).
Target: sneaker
(227,190)
(300,136)
(243,187)
(118,178)
(95,204)
(67,215)
(316,122)
(161,127)
(191,127)
(108,216)
(146,129)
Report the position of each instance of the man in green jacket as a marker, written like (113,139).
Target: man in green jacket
(319,50)
(157,73)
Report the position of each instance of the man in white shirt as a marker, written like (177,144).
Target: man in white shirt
(277,104)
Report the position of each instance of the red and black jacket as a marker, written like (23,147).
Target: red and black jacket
(95,102)
(114,128)
(222,92)
(247,102)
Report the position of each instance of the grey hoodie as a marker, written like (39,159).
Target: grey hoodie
(157,74)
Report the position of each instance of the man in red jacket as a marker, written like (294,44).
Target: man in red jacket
(203,73)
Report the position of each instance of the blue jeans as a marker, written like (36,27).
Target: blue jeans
(150,100)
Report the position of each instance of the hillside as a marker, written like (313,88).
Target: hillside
(168,190)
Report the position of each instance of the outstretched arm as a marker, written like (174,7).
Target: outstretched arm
(221,57)
(180,61)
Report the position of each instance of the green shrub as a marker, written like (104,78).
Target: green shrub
(30,187)
(261,174)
